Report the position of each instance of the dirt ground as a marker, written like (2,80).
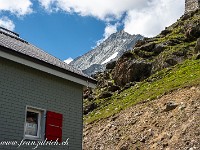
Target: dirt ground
(171,122)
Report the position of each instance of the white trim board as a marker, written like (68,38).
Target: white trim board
(46,69)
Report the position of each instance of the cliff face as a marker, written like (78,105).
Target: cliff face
(111,49)
(150,97)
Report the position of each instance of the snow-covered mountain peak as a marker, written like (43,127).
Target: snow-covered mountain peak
(110,49)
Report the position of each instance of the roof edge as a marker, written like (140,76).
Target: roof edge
(46,67)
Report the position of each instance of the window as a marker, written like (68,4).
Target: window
(34,122)
(41,124)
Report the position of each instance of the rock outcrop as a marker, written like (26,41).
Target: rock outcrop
(130,70)
(191,5)
(197,47)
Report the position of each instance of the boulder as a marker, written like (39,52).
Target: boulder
(165,32)
(149,50)
(106,75)
(171,61)
(110,83)
(105,95)
(111,65)
(130,70)
(181,53)
(85,96)
(197,47)
(127,55)
(159,48)
(148,47)
(88,108)
(90,97)
(170,106)
(192,31)
(140,43)
(197,57)
(185,16)
(96,75)
(86,93)
(128,85)
(173,42)
(113,88)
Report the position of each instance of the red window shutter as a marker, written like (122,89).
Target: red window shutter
(54,126)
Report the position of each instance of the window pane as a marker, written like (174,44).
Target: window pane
(31,123)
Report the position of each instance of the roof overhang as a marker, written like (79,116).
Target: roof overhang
(46,67)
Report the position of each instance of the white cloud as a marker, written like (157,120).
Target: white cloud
(151,20)
(18,7)
(102,9)
(109,29)
(147,17)
(7,23)
(68,60)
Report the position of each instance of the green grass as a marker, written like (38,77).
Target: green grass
(183,47)
(179,76)
(162,82)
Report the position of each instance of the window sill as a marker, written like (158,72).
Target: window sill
(32,138)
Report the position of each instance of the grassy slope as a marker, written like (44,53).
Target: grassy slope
(179,76)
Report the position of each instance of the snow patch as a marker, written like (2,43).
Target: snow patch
(110,58)
(68,60)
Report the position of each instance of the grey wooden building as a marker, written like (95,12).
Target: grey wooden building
(40,98)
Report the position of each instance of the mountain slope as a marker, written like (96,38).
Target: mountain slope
(112,48)
(147,126)
(150,98)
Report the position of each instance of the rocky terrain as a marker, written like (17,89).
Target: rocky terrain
(111,49)
(150,97)
(170,122)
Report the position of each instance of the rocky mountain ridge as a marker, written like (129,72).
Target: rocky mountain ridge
(111,49)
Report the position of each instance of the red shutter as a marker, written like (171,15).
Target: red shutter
(54,126)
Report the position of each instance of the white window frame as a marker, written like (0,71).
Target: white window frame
(41,123)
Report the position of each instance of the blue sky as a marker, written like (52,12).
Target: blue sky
(70,28)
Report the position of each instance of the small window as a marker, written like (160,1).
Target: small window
(33,123)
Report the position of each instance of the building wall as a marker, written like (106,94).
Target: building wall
(191,5)
(21,86)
